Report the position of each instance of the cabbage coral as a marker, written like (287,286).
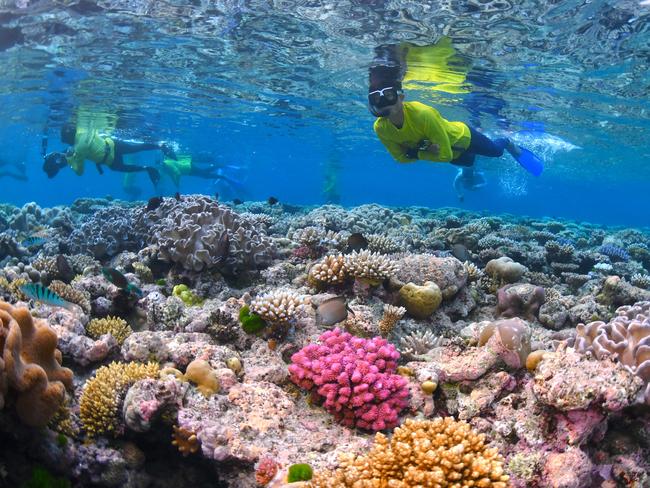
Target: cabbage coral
(102,396)
(439,452)
(115,326)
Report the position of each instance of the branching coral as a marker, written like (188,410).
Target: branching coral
(102,396)
(71,294)
(369,266)
(625,338)
(278,307)
(115,326)
(473,272)
(355,378)
(382,244)
(330,270)
(30,366)
(392,315)
(185,441)
(419,342)
(439,452)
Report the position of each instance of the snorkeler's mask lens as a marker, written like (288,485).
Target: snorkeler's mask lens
(384,97)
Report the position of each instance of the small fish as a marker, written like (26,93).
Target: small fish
(119,280)
(33,241)
(331,311)
(237,201)
(177,196)
(223,246)
(216,196)
(356,242)
(153,203)
(43,294)
(272,200)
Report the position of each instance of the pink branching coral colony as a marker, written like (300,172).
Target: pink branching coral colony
(355,377)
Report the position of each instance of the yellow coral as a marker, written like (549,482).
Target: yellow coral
(439,452)
(185,440)
(102,395)
(115,326)
(392,315)
(71,294)
(203,376)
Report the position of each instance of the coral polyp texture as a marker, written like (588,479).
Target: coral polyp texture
(101,398)
(625,338)
(432,453)
(279,306)
(30,366)
(115,326)
(198,234)
(369,266)
(354,377)
(329,270)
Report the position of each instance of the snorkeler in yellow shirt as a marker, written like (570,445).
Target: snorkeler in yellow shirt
(104,150)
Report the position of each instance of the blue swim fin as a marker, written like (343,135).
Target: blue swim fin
(530,162)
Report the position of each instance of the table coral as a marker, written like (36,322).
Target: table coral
(355,378)
(439,452)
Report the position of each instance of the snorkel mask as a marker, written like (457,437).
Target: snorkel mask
(379,100)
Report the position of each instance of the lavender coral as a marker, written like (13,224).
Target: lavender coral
(355,378)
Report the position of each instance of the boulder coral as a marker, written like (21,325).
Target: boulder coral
(439,452)
(30,366)
(505,270)
(420,301)
(520,300)
(355,377)
(448,273)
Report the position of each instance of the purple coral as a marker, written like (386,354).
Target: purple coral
(355,377)
(614,252)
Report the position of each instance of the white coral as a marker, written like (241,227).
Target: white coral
(278,306)
(369,265)
(331,269)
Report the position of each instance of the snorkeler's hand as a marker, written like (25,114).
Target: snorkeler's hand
(432,148)
(411,152)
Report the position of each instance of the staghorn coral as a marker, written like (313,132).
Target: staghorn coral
(30,366)
(185,441)
(626,338)
(439,452)
(71,294)
(329,270)
(115,326)
(392,315)
(369,266)
(310,236)
(101,398)
(354,377)
(198,233)
(613,252)
(383,244)
(278,307)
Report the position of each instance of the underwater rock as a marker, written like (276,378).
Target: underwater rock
(521,300)
(569,469)
(447,272)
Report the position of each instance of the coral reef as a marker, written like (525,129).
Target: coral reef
(330,270)
(369,266)
(355,378)
(278,307)
(439,452)
(115,326)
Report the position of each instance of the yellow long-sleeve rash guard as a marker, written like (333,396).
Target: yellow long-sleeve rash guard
(89,144)
(423,122)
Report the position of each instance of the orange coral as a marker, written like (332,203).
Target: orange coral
(32,366)
(185,440)
(265,470)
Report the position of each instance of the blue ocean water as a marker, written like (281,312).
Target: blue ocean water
(278,89)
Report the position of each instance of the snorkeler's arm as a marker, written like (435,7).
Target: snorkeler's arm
(76,162)
(435,132)
(396,150)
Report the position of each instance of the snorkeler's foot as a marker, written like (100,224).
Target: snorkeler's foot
(154,175)
(168,151)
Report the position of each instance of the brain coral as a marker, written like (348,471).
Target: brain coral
(198,233)
(626,338)
(30,366)
(439,452)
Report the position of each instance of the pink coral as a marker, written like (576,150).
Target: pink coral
(355,378)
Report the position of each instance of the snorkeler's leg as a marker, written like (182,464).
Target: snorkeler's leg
(484,146)
(15,176)
(119,165)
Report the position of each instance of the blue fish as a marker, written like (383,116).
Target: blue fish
(33,241)
(119,280)
(43,294)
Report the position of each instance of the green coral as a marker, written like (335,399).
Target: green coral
(250,322)
(161,282)
(184,293)
(299,472)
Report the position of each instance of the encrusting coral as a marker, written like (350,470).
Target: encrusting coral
(436,453)
(115,326)
(102,395)
(30,366)
(625,338)
(355,378)
(278,307)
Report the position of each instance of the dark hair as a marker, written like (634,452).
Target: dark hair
(68,133)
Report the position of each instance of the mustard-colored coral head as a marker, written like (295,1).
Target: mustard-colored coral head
(203,376)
